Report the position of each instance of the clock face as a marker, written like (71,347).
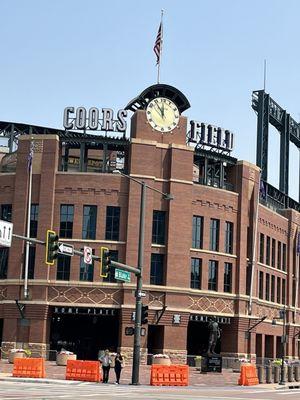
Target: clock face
(162,114)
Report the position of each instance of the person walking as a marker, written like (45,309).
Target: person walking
(119,364)
(105,360)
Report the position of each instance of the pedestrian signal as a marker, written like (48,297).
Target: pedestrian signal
(104,262)
(144,318)
(51,247)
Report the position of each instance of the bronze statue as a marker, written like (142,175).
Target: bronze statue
(214,335)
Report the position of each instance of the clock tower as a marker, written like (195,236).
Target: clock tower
(157,115)
(164,161)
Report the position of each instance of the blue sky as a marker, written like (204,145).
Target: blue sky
(100,53)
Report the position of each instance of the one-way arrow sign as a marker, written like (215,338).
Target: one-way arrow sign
(66,249)
(6,230)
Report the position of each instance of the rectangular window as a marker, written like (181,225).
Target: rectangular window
(34,216)
(273,252)
(114,256)
(6,212)
(197,236)
(279,255)
(283,256)
(268,287)
(268,250)
(66,221)
(158,227)
(31,262)
(261,285)
(273,288)
(283,300)
(89,222)
(214,234)
(248,278)
(278,289)
(86,272)
(4,251)
(228,237)
(157,266)
(63,268)
(261,248)
(227,277)
(196,273)
(112,223)
(213,275)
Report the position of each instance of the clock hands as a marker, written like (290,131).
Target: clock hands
(161,110)
(162,114)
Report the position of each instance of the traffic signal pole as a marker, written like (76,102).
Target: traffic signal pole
(139,286)
(115,264)
(139,282)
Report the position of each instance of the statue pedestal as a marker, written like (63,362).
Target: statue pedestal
(212,363)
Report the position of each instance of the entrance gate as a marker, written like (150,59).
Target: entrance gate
(84,331)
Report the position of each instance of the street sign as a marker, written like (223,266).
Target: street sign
(6,230)
(122,275)
(65,249)
(87,255)
(140,293)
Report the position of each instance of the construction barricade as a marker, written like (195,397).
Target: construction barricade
(78,370)
(29,368)
(169,375)
(248,375)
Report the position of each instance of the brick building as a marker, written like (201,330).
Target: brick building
(199,247)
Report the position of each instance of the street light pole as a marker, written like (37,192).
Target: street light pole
(139,280)
(139,285)
(282,374)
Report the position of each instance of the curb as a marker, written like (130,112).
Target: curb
(289,386)
(46,381)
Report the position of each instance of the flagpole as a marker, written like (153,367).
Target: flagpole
(161,45)
(28,222)
(265,74)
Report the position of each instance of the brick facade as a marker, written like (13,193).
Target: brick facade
(165,163)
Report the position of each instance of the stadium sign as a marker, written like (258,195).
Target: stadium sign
(94,119)
(210,135)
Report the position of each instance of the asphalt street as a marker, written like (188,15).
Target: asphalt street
(74,390)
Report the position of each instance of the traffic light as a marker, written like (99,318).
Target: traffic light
(104,262)
(144,317)
(282,314)
(51,247)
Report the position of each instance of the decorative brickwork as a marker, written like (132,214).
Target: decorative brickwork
(157,299)
(79,295)
(212,304)
(219,206)
(3,293)
(269,312)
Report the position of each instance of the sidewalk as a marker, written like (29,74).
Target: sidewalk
(56,374)
(53,371)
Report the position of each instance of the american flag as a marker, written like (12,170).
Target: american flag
(157,45)
(30,155)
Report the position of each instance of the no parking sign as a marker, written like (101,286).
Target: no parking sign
(87,255)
